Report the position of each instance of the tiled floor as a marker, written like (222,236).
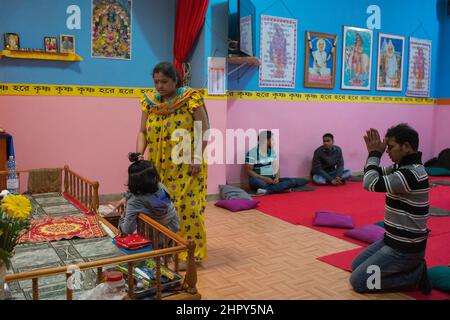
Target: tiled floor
(33,256)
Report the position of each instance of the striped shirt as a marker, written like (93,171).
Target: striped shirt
(407,200)
(262,164)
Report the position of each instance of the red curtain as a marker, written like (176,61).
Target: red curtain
(190,17)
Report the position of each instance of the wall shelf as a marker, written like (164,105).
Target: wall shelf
(17,54)
(242,62)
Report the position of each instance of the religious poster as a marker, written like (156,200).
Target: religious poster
(278,52)
(390,62)
(111,29)
(419,68)
(320,60)
(246,36)
(356,58)
(216,75)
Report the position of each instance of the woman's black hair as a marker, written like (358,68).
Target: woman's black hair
(169,70)
(142,175)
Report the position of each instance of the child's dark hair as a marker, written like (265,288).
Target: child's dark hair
(169,70)
(328,135)
(404,133)
(142,175)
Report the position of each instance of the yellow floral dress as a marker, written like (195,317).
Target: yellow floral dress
(188,191)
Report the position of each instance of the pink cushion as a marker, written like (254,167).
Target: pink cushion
(237,204)
(369,233)
(333,219)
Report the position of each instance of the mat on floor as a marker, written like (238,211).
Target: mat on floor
(437,253)
(350,199)
(441,182)
(50,229)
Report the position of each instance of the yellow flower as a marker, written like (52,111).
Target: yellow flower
(16,206)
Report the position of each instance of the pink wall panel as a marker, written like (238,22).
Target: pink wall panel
(92,135)
(217,112)
(302,125)
(441,129)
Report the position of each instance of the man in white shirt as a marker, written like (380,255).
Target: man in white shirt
(263,169)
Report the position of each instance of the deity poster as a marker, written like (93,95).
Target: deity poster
(111,29)
(419,68)
(278,52)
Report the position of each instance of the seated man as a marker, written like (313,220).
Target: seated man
(398,258)
(328,163)
(262,166)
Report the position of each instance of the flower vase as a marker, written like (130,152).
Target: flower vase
(2,280)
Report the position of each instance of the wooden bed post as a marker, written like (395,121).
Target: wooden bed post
(66,178)
(95,200)
(130,280)
(35,288)
(99,275)
(191,273)
(69,292)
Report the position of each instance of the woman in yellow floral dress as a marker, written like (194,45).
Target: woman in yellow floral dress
(166,112)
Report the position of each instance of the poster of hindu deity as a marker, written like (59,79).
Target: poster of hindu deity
(419,68)
(278,52)
(390,62)
(111,29)
(356,58)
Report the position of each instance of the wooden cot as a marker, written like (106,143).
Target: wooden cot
(165,244)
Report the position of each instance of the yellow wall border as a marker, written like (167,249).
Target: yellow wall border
(15,89)
(331,97)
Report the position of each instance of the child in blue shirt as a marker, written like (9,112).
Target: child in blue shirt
(146,194)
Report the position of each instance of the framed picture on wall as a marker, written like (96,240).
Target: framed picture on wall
(356,58)
(66,43)
(419,68)
(320,60)
(278,52)
(11,41)
(50,44)
(111,29)
(390,62)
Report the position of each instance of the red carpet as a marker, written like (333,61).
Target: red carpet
(364,207)
(437,253)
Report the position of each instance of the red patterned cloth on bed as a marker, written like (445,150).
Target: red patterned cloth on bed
(49,229)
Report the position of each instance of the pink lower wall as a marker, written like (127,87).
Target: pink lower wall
(92,135)
(302,125)
(441,129)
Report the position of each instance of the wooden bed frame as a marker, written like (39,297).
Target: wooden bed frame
(165,244)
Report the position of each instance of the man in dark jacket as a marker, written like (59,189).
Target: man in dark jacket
(328,163)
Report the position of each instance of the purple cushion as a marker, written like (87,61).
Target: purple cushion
(237,204)
(368,233)
(333,219)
